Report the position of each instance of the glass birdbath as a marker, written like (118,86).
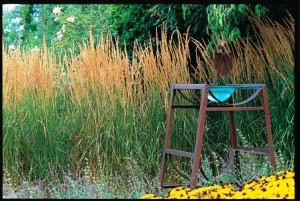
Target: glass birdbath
(222,93)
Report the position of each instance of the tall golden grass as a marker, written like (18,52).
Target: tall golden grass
(107,66)
(104,77)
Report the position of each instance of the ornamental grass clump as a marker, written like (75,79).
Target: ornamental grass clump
(281,185)
(92,101)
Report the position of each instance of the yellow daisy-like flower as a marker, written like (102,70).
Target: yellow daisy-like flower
(279,186)
(178,192)
(148,196)
(157,197)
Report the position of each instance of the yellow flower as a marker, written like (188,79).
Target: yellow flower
(178,191)
(277,186)
(156,197)
(147,196)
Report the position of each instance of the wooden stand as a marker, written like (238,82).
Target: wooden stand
(203,108)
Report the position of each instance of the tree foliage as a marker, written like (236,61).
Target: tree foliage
(224,20)
(181,16)
(130,22)
(35,23)
(39,23)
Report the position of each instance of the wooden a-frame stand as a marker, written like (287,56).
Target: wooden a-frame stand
(205,107)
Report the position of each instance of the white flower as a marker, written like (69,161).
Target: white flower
(221,22)
(12,46)
(71,19)
(36,49)
(55,19)
(56,10)
(59,35)
(63,28)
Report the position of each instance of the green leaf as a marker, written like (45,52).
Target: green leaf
(226,29)
(184,8)
(234,34)
(260,10)
(242,8)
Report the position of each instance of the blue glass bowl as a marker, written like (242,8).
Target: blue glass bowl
(222,93)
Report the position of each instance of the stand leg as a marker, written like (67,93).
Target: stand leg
(234,143)
(199,138)
(167,140)
(269,130)
(237,167)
